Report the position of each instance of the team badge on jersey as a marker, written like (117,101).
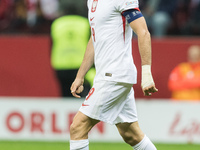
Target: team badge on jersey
(94,5)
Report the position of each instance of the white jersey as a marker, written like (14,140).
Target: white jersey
(112,40)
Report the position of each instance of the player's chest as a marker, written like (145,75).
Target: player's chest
(101,11)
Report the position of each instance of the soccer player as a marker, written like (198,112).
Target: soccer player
(111,98)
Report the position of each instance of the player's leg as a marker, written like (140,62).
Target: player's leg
(79,129)
(133,135)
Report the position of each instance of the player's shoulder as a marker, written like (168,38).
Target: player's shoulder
(127,4)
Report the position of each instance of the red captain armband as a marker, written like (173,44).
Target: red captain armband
(132,14)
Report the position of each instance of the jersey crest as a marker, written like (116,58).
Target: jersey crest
(94,5)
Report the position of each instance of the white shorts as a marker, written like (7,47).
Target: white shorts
(110,102)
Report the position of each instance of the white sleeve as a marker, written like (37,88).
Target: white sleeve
(122,5)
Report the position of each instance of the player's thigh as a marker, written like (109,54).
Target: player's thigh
(81,125)
(130,131)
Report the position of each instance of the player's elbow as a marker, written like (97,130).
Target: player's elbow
(144,33)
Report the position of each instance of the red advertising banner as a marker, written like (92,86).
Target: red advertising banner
(25,68)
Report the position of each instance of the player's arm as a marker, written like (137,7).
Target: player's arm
(88,61)
(144,43)
(138,24)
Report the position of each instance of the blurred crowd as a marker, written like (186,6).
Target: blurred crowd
(164,17)
(172,17)
(36,16)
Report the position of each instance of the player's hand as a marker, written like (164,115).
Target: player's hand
(149,90)
(147,84)
(77,87)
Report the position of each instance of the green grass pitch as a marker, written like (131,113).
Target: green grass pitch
(18,145)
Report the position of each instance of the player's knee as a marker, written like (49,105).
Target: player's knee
(130,138)
(74,132)
(78,131)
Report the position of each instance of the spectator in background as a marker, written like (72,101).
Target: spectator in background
(18,23)
(6,13)
(185,17)
(40,14)
(158,14)
(184,80)
(192,24)
(81,4)
(27,16)
(46,8)
(13,14)
(70,34)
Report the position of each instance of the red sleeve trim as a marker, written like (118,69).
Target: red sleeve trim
(130,9)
